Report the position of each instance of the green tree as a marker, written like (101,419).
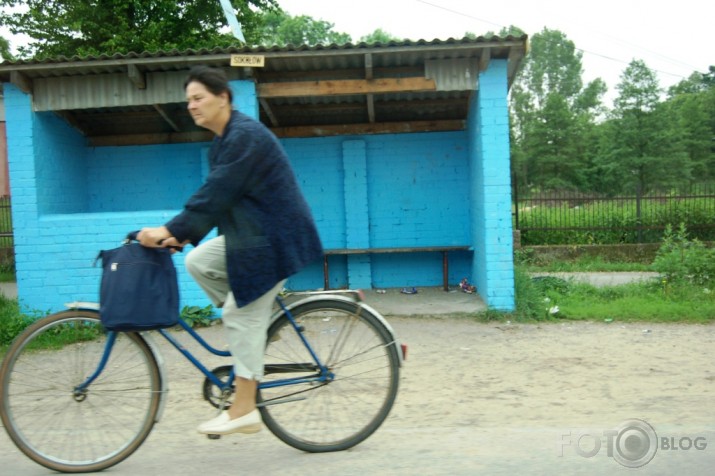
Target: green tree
(5,53)
(550,140)
(93,27)
(709,78)
(379,36)
(689,112)
(281,29)
(503,33)
(691,104)
(645,145)
(552,113)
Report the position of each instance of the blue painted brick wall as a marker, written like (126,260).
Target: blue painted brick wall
(61,164)
(419,190)
(488,129)
(357,212)
(156,177)
(414,191)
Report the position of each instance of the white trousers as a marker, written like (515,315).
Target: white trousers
(246,327)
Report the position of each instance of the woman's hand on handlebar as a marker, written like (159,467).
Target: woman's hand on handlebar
(154,237)
(174,244)
(159,237)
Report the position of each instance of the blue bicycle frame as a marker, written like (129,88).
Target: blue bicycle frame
(322,374)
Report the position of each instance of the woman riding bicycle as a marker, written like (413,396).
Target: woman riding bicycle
(266,234)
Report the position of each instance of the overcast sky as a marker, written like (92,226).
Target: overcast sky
(674,38)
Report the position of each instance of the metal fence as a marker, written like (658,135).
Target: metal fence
(570,217)
(7,253)
(5,219)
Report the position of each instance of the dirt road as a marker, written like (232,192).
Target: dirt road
(481,398)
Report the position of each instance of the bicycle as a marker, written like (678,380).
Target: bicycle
(78,398)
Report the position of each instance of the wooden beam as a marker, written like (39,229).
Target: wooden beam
(378,128)
(368,66)
(71,120)
(148,139)
(297,111)
(347,73)
(345,87)
(370,98)
(484,59)
(269,112)
(136,76)
(166,117)
(516,57)
(284,132)
(21,81)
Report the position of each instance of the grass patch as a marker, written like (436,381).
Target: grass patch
(552,299)
(644,302)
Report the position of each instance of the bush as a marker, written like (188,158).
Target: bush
(537,298)
(197,316)
(682,260)
(12,321)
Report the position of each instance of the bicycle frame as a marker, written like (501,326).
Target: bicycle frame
(322,373)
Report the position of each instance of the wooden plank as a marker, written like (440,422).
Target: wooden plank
(370,98)
(136,76)
(408,249)
(147,139)
(269,112)
(484,59)
(376,128)
(21,81)
(345,87)
(283,132)
(166,117)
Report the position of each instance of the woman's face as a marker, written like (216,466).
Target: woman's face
(206,109)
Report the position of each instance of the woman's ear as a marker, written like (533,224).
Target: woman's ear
(224,96)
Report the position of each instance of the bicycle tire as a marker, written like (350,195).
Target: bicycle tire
(345,410)
(69,431)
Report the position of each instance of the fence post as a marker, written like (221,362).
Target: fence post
(639,224)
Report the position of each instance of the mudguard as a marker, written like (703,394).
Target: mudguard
(353,297)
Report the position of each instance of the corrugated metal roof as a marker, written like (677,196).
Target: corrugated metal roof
(142,93)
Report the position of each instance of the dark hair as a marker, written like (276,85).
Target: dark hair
(214,79)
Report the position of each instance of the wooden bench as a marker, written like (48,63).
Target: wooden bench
(415,249)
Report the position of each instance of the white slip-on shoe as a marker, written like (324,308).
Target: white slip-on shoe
(223,425)
(218,420)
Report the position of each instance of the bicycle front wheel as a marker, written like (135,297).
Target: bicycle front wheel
(355,395)
(62,425)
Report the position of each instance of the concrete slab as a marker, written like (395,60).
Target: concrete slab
(9,290)
(428,301)
(602,279)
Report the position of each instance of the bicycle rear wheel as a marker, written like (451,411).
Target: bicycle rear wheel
(67,429)
(361,387)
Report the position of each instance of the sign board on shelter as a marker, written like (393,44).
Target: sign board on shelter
(252,61)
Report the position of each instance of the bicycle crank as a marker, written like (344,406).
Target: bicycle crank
(219,397)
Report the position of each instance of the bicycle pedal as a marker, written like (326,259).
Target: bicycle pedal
(213,437)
